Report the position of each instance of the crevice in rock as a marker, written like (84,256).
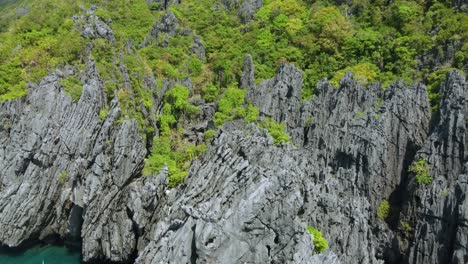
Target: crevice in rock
(400,194)
(342,160)
(75,222)
(136,231)
(194,256)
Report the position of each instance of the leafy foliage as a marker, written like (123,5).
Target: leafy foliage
(384,210)
(420,168)
(375,40)
(169,149)
(73,87)
(231,106)
(320,243)
(276,130)
(63,177)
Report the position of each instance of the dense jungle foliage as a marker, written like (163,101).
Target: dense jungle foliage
(379,41)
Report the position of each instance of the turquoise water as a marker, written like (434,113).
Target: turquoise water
(48,254)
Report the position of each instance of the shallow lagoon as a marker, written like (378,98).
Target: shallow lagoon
(36,255)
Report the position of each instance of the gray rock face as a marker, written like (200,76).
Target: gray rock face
(198,48)
(248,74)
(279,97)
(437,212)
(58,158)
(236,208)
(247,8)
(92,27)
(162,30)
(246,199)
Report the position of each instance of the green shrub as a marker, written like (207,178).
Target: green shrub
(195,67)
(384,210)
(103,113)
(209,135)
(276,130)
(73,87)
(230,106)
(406,227)
(360,114)
(252,114)
(178,97)
(364,73)
(420,168)
(320,243)
(63,177)
(210,93)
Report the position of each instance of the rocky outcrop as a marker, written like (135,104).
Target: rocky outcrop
(198,48)
(67,172)
(241,198)
(92,27)
(247,8)
(163,4)
(437,211)
(279,97)
(237,208)
(162,30)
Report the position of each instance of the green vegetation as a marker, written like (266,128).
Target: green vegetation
(103,113)
(320,243)
(445,193)
(384,210)
(40,40)
(63,177)
(276,130)
(406,228)
(376,40)
(170,149)
(209,135)
(420,169)
(231,106)
(73,87)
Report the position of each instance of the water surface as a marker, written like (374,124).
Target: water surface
(36,255)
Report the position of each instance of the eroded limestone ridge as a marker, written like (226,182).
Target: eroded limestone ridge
(66,171)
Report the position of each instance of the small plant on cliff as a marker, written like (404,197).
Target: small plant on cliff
(230,106)
(384,210)
(276,130)
(406,228)
(209,135)
(320,243)
(421,169)
(63,177)
(73,87)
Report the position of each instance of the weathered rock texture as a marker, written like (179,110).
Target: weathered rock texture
(66,171)
(92,27)
(57,157)
(437,212)
(355,145)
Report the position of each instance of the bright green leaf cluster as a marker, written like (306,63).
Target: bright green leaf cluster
(73,87)
(320,243)
(63,177)
(230,106)
(276,130)
(420,168)
(384,210)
